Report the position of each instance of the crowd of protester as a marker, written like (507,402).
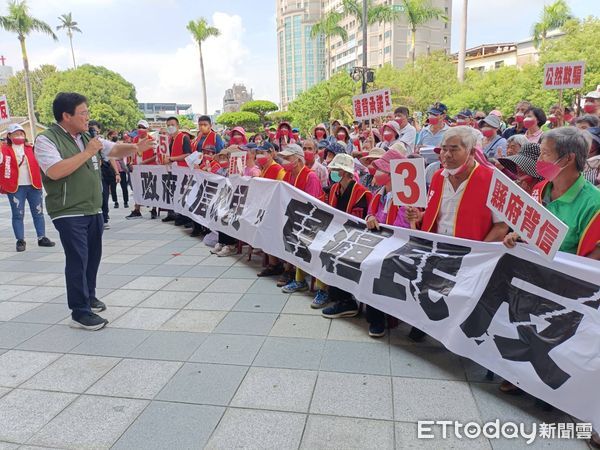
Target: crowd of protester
(554,156)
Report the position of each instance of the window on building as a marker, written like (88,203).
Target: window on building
(498,64)
(380,38)
(387,34)
(387,49)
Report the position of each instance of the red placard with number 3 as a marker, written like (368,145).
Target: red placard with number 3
(408,182)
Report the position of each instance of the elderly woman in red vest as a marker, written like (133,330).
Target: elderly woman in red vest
(21,179)
(457,196)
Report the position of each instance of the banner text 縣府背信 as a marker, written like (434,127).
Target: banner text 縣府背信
(532,321)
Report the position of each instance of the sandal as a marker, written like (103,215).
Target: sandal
(506,387)
(270,271)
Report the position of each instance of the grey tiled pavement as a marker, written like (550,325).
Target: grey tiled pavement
(200,353)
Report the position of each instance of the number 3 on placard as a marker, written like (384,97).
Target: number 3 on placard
(410,192)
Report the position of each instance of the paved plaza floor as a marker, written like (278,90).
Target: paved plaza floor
(200,353)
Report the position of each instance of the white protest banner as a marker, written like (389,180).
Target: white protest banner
(162,149)
(408,182)
(564,75)
(237,163)
(531,321)
(372,104)
(4,111)
(193,158)
(534,223)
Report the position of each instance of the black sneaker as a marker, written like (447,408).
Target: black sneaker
(341,309)
(376,330)
(134,215)
(21,245)
(97,305)
(416,335)
(88,321)
(153,213)
(169,218)
(125,205)
(116,205)
(45,242)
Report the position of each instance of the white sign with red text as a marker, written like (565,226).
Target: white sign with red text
(4,111)
(534,223)
(237,163)
(162,149)
(564,75)
(408,182)
(372,104)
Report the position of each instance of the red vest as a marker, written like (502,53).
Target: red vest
(591,235)
(392,210)
(9,169)
(177,148)
(211,140)
(145,155)
(358,191)
(301,179)
(272,172)
(473,218)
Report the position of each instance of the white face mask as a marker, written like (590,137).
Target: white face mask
(171,129)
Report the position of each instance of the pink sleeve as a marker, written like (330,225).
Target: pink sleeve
(313,185)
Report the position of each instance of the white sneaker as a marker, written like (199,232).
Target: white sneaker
(228,250)
(217,249)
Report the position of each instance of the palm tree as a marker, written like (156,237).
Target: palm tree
(20,22)
(329,27)
(67,23)
(419,12)
(201,31)
(553,17)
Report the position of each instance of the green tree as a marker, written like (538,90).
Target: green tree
(186,122)
(67,23)
(250,121)
(553,17)
(15,89)
(260,108)
(280,116)
(112,99)
(328,27)
(20,22)
(419,12)
(201,31)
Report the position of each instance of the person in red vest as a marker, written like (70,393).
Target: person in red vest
(458,195)
(180,147)
(21,180)
(383,210)
(273,171)
(300,176)
(146,158)
(207,137)
(353,198)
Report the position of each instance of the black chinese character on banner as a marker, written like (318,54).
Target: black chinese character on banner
(349,247)
(236,207)
(207,190)
(149,186)
(427,268)
(169,181)
(187,184)
(260,215)
(221,202)
(541,324)
(304,221)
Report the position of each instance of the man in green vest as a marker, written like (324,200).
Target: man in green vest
(70,160)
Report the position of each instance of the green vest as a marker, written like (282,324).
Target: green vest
(79,193)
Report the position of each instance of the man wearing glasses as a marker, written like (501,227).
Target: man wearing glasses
(70,161)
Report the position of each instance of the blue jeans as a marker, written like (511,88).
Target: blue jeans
(81,238)
(36,206)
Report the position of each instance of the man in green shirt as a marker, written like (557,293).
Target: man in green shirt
(70,161)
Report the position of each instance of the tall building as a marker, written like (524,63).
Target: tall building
(303,61)
(5,71)
(235,97)
(300,57)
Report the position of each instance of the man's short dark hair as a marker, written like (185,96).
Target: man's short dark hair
(204,119)
(94,123)
(66,102)
(173,118)
(402,110)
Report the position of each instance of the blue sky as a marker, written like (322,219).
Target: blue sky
(147,42)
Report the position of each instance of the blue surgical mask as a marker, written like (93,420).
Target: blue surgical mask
(335,177)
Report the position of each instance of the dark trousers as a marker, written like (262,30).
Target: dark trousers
(81,238)
(124,189)
(340,296)
(106,182)
(226,239)
(375,317)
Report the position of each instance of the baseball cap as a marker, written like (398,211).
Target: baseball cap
(492,120)
(143,123)
(465,113)
(593,94)
(14,127)
(292,150)
(265,147)
(342,161)
(437,109)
